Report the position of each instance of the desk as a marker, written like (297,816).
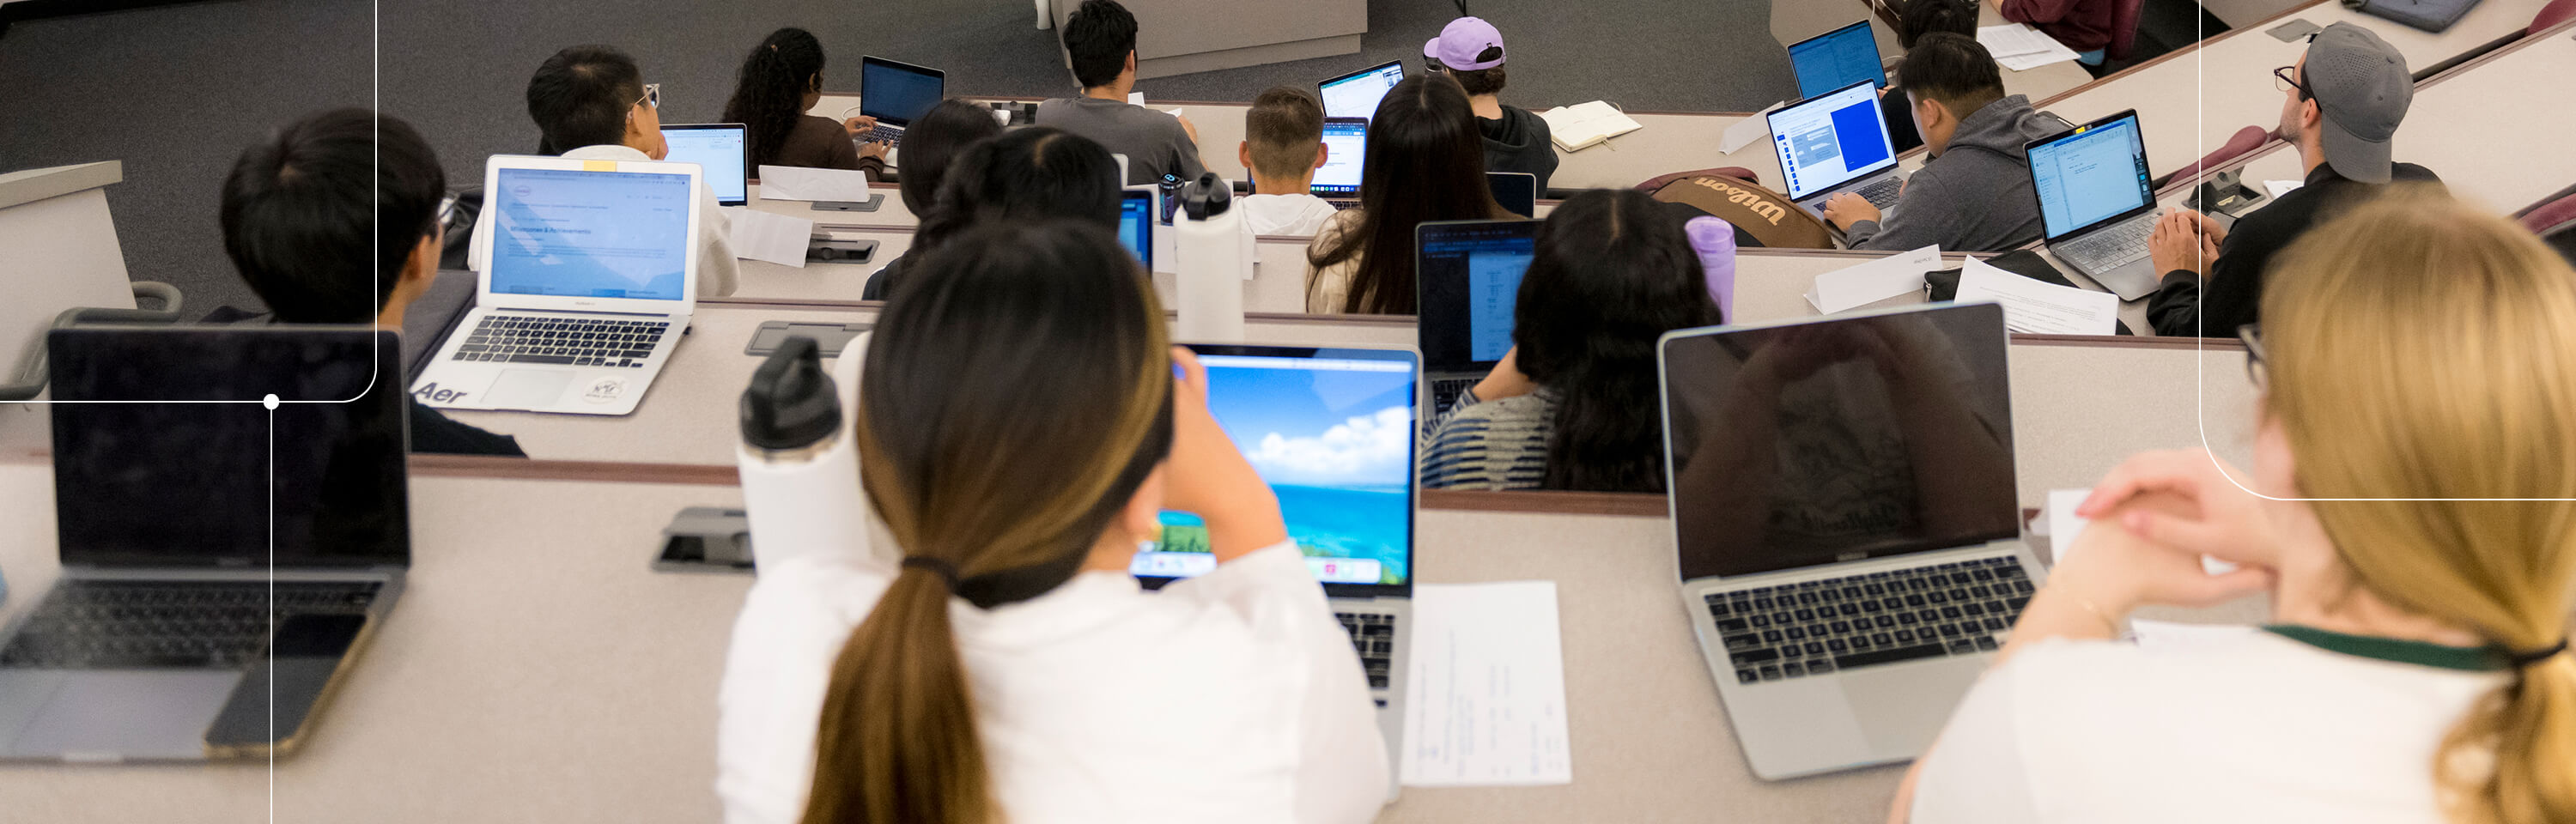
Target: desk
(1771,284)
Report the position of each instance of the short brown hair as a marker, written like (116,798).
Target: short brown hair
(1285,126)
(1480,81)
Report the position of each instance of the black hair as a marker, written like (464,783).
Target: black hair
(932,142)
(1425,161)
(1954,69)
(769,92)
(1098,36)
(320,217)
(582,96)
(1023,174)
(1612,272)
(1923,17)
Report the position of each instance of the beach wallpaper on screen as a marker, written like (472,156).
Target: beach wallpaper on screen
(1336,445)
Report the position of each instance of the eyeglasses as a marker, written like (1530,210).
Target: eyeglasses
(652,96)
(2282,80)
(2252,335)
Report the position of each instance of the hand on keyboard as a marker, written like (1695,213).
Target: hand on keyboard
(859,126)
(1847,208)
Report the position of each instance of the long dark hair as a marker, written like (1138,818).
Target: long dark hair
(769,93)
(1022,175)
(1611,272)
(1019,315)
(1425,161)
(933,141)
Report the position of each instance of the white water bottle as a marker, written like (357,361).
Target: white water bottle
(1214,263)
(799,465)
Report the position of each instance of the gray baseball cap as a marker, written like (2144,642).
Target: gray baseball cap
(2362,89)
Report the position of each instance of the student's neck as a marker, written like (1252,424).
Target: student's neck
(1283,185)
(1116,90)
(391,318)
(1487,106)
(2311,155)
(2324,599)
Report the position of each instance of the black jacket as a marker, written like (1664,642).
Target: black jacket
(2188,305)
(883,281)
(1519,143)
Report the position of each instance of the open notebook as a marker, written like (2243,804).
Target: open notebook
(1577,127)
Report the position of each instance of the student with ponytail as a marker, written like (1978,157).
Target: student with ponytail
(1021,426)
(779,81)
(2415,459)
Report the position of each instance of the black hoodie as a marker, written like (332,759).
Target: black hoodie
(1519,143)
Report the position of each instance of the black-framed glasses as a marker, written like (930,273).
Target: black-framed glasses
(2252,335)
(2282,80)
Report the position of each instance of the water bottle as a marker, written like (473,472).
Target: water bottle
(799,466)
(1714,240)
(1215,260)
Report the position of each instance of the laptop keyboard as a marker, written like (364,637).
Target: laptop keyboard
(563,341)
(1445,392)
(1373,634)
(883,133)
(1881,194)
(116,624)
(2110,248)
(1818,627)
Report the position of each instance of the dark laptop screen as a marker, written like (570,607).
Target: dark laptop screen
(1836,59)
(1470,272)
(1838,439)
(161,483)
(898,93)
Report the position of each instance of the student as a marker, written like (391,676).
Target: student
(930,144)
(1283,145)
(1025,174)
(1973,195)
(1921,17)
(2341,117)
(1100,39)
(591,102)
(335,219)
(1425,162)
(2415,355)
(1008,667)
(780,80)
(1471,51)
(2083,26)
(1573,405)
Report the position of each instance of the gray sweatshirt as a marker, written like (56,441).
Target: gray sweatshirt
(1975,196)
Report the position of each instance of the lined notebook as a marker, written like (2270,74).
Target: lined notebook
(1577,127)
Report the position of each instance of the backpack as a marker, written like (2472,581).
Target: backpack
(1762,215)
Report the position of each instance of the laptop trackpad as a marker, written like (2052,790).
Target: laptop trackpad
(1901,708)
(527,388)
(139,714)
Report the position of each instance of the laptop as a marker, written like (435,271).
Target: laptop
(591,277)
(1835,142)
(1345,158)
(1356,94)
(1517,192)
(1851,579)
(1836,59)
(1136,223)
(896,94)
(2096,204)
(719,150)
(160,641)
(1349,501)
(1468,273)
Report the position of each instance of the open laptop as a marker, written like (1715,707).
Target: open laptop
(2096,202)
(1356,94)
(896,94)
(174,521)
(592,275)
(1468,277)
(1836,59)
(1345,159)
(1517,192)
(1850,557)
(1835,142)
(1332,432)
(1136,223)
(721,154)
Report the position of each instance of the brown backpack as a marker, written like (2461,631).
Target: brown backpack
(1760,214)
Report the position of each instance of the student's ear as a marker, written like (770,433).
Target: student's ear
(422,266)
(1243,150)
(1322,153)
(1131,61)
(1142,517)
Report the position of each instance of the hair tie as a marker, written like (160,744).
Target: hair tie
(946,571)
(2522,660)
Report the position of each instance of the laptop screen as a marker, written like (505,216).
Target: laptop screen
(1331,430)
(580,233)
(206,471)
(1136,224)
(898,93)
(1469,272)
(1356,94)
(1345,150)
(1836,59)
(1516,191)
(1829,140)
(718,149)
(2096,173)
(1838,439)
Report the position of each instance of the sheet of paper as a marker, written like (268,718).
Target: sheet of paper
(2063,526)
(769,236)
(2277,188)
(1485,694)
(2033,307)
(800,183)
(1135,98)
(2019,47)
(1874,281)
(1745,131)
(2171,635)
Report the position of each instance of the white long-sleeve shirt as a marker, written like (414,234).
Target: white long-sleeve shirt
(718,272)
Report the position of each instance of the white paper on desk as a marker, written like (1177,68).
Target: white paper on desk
(769,236)
(2277,188)
(1874,281)
(1745,131)
(2063,526)
(1485,694)
(2034,307)
(2154,634)
(1135,98)
(800,183)
(2019,47)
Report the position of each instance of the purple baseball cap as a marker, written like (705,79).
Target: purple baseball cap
(1464,40)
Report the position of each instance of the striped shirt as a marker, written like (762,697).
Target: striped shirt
(1496,444)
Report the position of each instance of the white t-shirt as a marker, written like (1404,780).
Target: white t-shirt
(1299,215)
(718,272)
(2254,728)
(1229,697)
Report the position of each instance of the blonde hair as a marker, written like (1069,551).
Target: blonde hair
(2423,349)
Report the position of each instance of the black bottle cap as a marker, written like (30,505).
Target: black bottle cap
(1207,196)
(790,403)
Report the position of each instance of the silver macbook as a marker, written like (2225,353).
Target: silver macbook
(896,94)
(722,155)
(1467,274)
(1356,94)
(591,275)
(1835,142)
(1848,540)
(2097,204)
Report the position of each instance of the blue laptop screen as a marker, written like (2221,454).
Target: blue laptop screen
(1356,94)
(2091,175)
(1345,144)
(575,233)
(896,93)
(1839,58)
(1136,225)
(718,152)
(1470,277)
(1830,140)
(1333,435)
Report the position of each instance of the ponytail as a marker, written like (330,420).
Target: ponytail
(897,741)
(2513,759)
(769,94)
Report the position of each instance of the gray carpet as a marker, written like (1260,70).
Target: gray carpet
(176,91)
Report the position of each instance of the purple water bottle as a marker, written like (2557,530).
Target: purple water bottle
(1714,240)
